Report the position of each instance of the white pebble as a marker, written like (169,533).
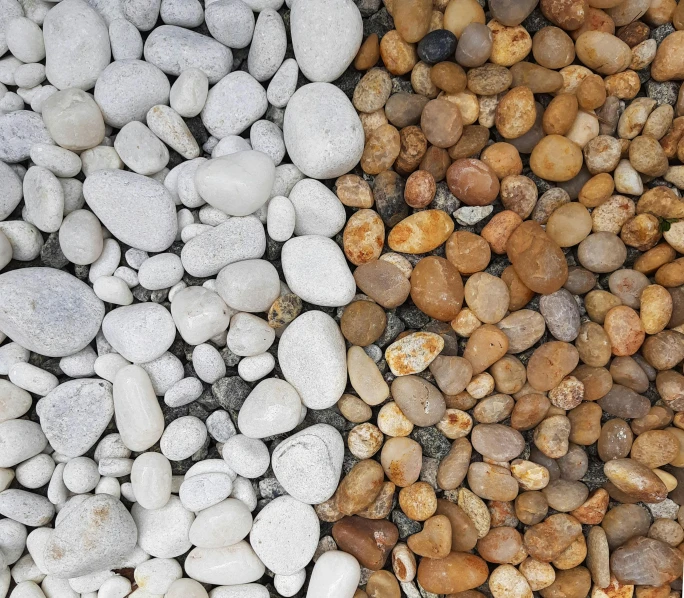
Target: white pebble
(208,363)
(247,456)
(256,367)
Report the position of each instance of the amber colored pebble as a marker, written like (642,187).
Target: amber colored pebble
(364,237)
(359,487)
(369,541)
(383,282)
(449,77)
(473,182)
(434,540)
(593,510)
(382,584)
(353,191)
(398,56)
(560,114)
(457,572)
(420,189)
(413,147)
(436,161)
(467,251)
(363,322)
(624,329)
(369,53)
(437,288)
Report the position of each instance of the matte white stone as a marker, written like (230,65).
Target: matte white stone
(20,439)
(73,29)
(249,335)
(14,401)
(228,565)
(238,239)
(138,416)
(164,372)
(32,378)
(168,125)
(230,21)
(272,408)
(199,314)
(127,89)
(269,43)
(140,332)
(323,133)
(183,437)
(233,104)
(125,39)
(308,464)
(283,84)
(137,210)
(93,537)
(163,533)
(247,456)
(335,575)
(237,184)
(205,490)
(140,149)
(175,49)
(156,575)
(151,480)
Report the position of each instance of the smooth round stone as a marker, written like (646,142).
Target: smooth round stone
(137,210)
(19,130)
(80,237)
(272,408)
(174,49)
(247,456)
(128,89)
(163,533)
(233,104)
(233,241)
(205,490)
(308,464)
(48,311)
(223,524)
(14,401)
(138,416)
(141,332)
(285,535)
(249,335)
(437,46)
(318,211)
(111,534)
(312,357)
(315,269)
(268,46)
(228,565)
(228,182)
(310,22)
(199,314)
(151,479)
(335,575)
(323,133)
(230,21)
(20,440)
(75,29)
(183,437)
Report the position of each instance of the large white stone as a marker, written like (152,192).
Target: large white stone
(138,416)
(223,524)
(76,45)
(93,537)
(225,566)
(141,332)
(137,210)
(48,311)
(272,408)
(240,238)
(285,535)
(322,55)
(233,104)
(74,415)
(323,133)
(175,49)
(336,575)
(308,464)
(237,184)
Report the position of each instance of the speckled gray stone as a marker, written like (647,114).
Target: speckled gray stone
(309,463)
(48,311)
(74,415)
(323,133)
(561,312)
(136,209)
(73,29)
(93,537)
(175,49)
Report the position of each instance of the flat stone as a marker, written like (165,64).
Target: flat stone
(48,311)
